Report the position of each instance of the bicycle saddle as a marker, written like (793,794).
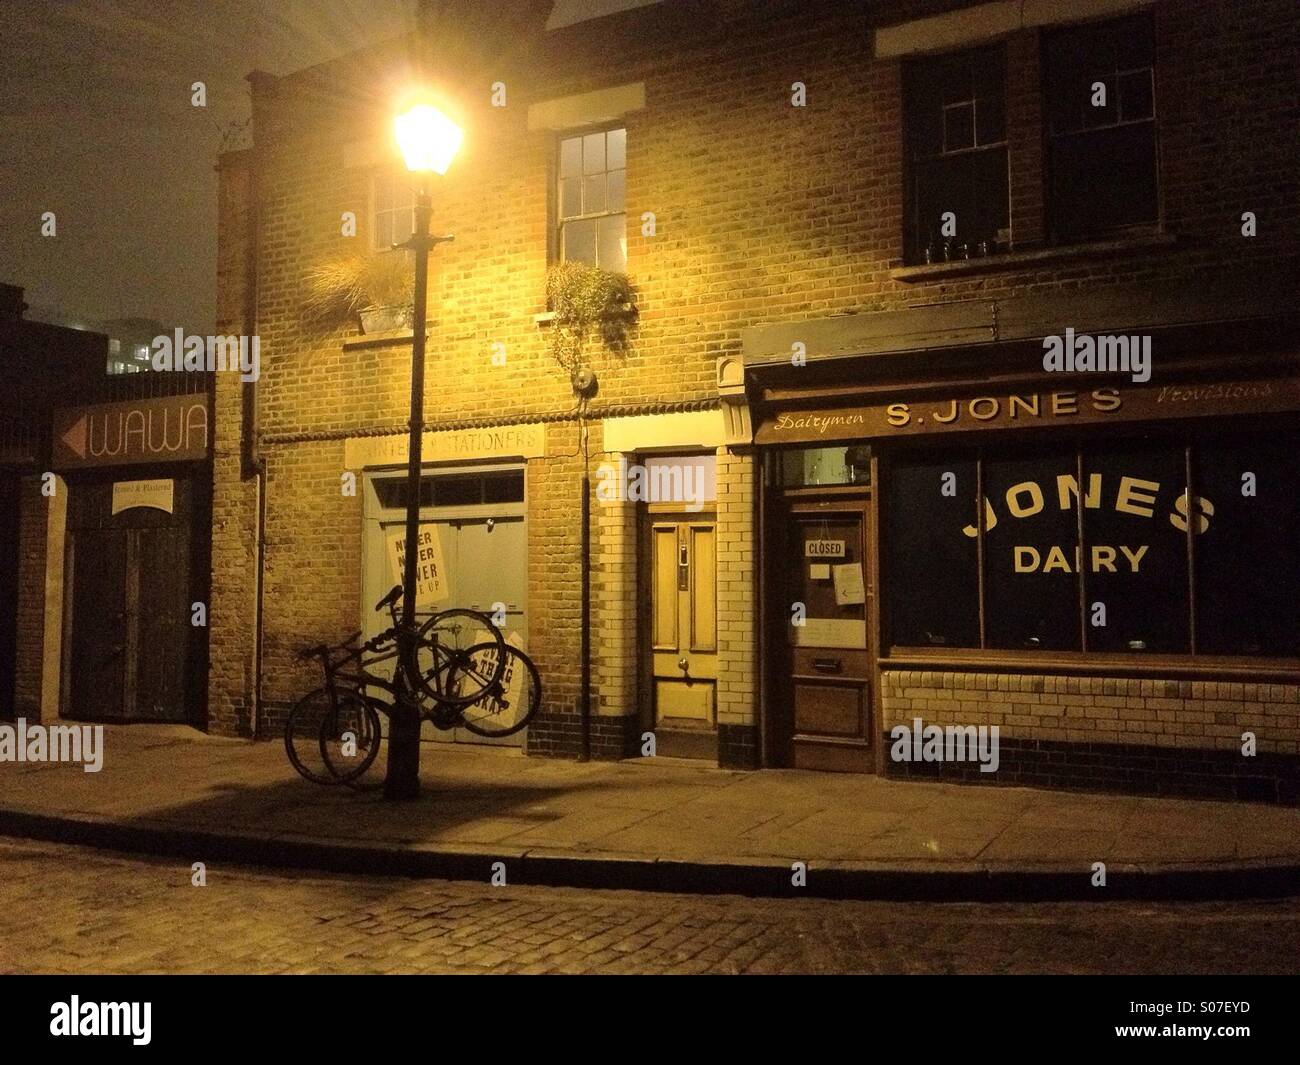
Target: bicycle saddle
(394,594)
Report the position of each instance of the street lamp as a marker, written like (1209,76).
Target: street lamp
(429,141)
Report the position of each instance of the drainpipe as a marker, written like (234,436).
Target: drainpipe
(585,510)
(252,459)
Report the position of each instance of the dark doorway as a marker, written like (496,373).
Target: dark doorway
(133,653)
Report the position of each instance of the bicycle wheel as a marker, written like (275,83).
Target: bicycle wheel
(507,704)
(331,740)
(443,671)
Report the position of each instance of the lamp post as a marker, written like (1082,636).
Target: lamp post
(429,141)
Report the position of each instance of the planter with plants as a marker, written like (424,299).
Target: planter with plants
(586,302)
(377,288)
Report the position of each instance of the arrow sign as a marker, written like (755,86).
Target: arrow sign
(75,438)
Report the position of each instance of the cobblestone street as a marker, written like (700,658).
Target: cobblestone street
(72,910)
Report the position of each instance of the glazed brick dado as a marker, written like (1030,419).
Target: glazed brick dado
(763,213)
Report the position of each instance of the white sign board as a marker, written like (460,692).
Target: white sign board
(156,494)
(430,574)
(824,549)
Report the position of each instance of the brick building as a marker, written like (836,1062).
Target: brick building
(852,232)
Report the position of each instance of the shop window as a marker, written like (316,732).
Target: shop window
(932,566)
(1099,81)
(1135,549)
(1153,547)
(810,466)
(1247,559)
(590,195)
(954,115)
(1031,539)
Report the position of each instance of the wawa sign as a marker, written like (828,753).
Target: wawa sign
(166,429)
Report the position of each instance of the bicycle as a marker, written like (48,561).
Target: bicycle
(341,720)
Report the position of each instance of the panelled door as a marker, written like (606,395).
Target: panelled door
(133,652)
(683,632)
(823,712)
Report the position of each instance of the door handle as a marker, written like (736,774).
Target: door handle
(683,665)
(828,665)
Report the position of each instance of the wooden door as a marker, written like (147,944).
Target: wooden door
(683,633)
(10,504)
(823,709)
(134,653)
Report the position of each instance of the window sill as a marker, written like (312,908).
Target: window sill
(1110,664)
(1018,260)
(624,310)
(378,340)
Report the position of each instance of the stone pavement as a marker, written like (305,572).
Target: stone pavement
(651,824)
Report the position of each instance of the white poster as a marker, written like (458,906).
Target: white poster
(849,589)
(430,574)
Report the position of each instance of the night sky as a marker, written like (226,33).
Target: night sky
(97,126)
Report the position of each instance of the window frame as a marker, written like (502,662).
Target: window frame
(1190,440)
(392,175)
(1050,137)
(554,199)
(912,246)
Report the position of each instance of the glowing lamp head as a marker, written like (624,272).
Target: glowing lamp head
(428,139)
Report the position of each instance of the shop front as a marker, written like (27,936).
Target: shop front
(1105,569)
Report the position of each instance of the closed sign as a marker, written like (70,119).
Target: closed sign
(824,549)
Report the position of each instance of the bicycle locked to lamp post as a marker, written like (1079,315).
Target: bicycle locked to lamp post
(429,141)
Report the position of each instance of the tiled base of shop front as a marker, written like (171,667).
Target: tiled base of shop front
(1154,737)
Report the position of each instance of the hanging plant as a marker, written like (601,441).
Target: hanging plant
(379,288)
(587,301)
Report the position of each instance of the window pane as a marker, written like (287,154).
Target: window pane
(580,241)
(571,157)
(616,147)
(613,243)
(617,187)
(990,121)
(593,153)
(1136,554)
(593,194)
(1135,96)
(383,193)
(403,225)
(1104,179)
(1031,587)
(570,197)
(383,230)
(932,565)
(1248,555)
(958,127)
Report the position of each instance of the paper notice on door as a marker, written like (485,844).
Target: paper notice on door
(849,589)
(819,571)
(430,574)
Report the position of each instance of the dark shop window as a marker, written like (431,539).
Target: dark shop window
(1031,536)
(1135,547)
(1210,569)
(1248,554)
(932,563)
(955,122)
(1099,81)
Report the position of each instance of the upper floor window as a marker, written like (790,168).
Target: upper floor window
(955,123)
(1100,108)
(392,199)
(591,190)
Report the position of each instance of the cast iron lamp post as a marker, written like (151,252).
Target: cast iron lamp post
(429,141)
